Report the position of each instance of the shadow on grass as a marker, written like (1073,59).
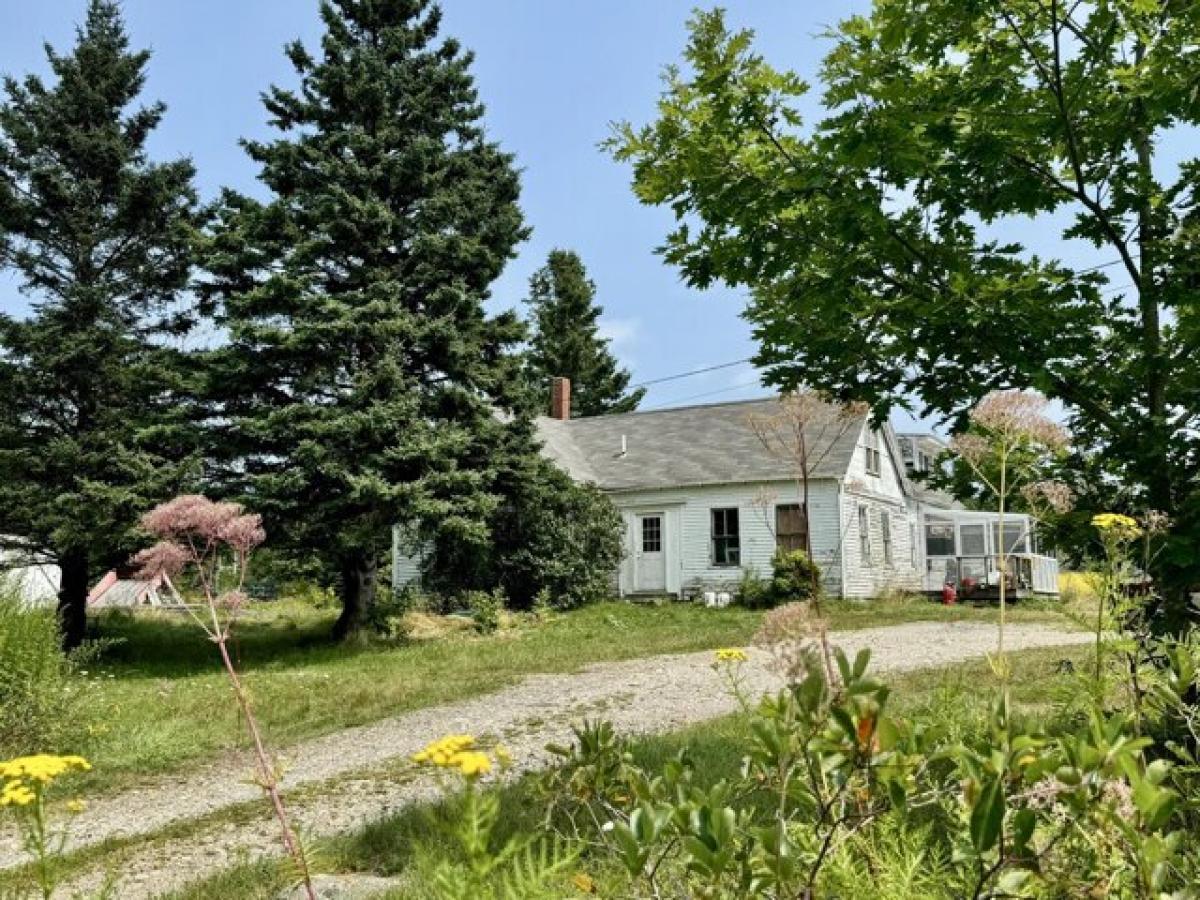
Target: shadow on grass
(169,644)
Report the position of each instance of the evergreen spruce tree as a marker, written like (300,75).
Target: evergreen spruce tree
(93,431)
(363,378)
(566,343)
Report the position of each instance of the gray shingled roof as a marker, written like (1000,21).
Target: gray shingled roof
(691,445)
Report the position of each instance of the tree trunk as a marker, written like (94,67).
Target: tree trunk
(359,573)
(72,597)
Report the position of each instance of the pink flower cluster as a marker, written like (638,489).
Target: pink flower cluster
(191,520)
(1019,415)
(192,516)
(1054,495)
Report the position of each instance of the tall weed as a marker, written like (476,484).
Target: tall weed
(41,696)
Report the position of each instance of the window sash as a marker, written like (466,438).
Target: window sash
(864,535)
(651,534)
(726,538)
(885,536)
(871,452)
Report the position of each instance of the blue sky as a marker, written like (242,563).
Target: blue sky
(553,73)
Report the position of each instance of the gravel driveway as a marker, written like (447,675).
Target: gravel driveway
(654,694)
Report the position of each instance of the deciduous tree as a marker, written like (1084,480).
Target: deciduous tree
(913,242)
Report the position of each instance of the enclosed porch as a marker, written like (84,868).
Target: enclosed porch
(964,548)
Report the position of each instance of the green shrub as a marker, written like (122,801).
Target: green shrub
(485,607)
(40,694)
(795,578)
(754,592)
(386,619)
(548,533)
(984,805)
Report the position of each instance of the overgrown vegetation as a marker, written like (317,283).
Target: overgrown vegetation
(42,697)
(953,702)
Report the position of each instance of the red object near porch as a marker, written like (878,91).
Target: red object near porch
(949,594)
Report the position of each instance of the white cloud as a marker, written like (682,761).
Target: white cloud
(623,333)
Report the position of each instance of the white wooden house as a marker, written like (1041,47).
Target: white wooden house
(703,500)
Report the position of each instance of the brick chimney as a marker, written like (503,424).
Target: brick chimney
(560,398)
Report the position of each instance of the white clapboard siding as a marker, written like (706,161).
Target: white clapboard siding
(408,556)
(882,495)
(688,521)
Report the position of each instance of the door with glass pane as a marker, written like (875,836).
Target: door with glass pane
(650,558)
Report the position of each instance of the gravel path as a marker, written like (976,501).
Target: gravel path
(372,778)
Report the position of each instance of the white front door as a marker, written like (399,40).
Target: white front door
(650,558)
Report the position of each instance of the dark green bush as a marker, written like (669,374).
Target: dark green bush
(754,592)
(795,578)
(548,536)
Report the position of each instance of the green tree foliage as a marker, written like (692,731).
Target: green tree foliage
(888,249)
(566,343)
(363,378)
(94,428)
(548,535)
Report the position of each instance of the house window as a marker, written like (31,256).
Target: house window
(791,527)
(912,544)
(939,538)
(885,536)
(726,542)
(864,534)
(651,534)
(871,448)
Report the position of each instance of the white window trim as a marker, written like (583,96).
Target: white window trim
(873,463)
(865,550)
(712,537)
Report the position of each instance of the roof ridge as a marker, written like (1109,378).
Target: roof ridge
(665,409)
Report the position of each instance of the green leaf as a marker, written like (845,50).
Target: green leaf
(987,817)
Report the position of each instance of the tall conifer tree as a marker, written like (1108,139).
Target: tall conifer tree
(363,377)
(566,340)
(92,431)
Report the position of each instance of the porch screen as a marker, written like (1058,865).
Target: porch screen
(791,527)
(1014,536)
(939,538)
(971,536)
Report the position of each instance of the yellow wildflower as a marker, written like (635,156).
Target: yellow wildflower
(503,755)
(455,751)
(1116,525)
(731,654)
(16,794)
(43,767)
(76,806)
(472,764)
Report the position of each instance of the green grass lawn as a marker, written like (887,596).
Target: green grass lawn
(160,700)
(407,844)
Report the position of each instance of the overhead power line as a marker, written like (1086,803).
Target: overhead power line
(724,390)
(728,365)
